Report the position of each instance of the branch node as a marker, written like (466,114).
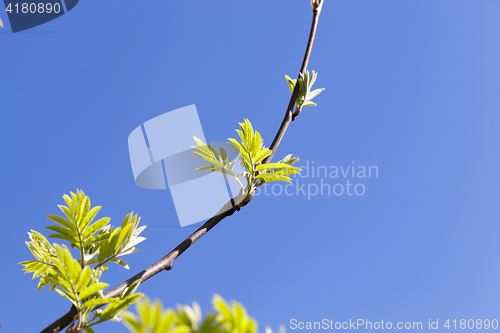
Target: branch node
(234,206)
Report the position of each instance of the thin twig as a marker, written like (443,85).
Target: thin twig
(289,116)
(166,262)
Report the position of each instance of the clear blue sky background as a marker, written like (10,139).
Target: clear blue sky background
(412,87)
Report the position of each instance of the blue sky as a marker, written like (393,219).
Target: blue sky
(411,87)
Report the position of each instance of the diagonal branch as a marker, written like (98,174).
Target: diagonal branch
(166,262)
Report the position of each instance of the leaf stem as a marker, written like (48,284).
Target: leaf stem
(239,183)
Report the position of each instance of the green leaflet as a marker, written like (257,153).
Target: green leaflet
(120,262)
(305,95)
(90,231)
(291,82)
(274,166)
(83,280)
(62,221)
(97,301)
(130,290)
(262,154)
(115,308)
(288,159)
(217,169)
(90,290)
(267,177)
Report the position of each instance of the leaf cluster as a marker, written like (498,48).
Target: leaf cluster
(279,171)
(98,243)
(226,318)
(251,152)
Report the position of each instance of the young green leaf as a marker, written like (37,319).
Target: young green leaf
(92,289)
(305,95)
(273,166)
(115,308)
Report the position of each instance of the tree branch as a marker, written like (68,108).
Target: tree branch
(166,262)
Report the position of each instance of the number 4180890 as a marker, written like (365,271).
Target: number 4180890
(33,8)
(471,323)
